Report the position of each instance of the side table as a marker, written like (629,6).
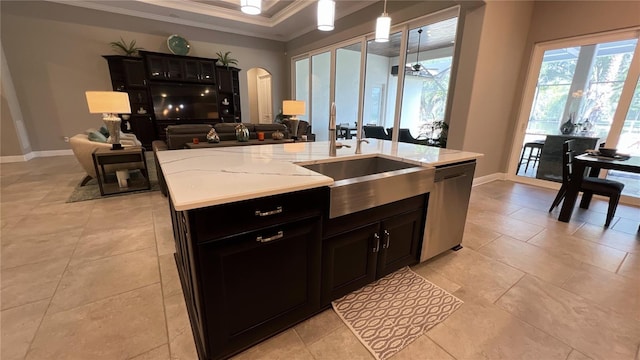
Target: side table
(107,162)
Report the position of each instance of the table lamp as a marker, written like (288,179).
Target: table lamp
(293,108)
(109,104)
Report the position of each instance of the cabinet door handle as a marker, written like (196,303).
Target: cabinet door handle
(387,239)
(376,237)
(278,210)
(277,236)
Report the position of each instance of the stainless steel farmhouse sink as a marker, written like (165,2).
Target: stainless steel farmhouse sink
(368,182)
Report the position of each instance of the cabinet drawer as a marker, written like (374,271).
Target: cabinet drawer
(240,217)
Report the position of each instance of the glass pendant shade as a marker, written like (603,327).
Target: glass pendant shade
(251,7)
(383,27)
(326,14)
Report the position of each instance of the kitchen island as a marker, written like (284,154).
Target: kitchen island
(256,249)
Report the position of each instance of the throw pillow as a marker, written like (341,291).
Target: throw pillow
(103,130)
(97,136)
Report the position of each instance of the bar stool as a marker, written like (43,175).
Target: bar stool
(535,149)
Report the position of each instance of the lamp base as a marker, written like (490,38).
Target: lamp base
(294,123)
(112,122)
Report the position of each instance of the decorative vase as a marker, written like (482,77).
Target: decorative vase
(242,133)
(586,126)
(277,135)
(567,127)
(212,136)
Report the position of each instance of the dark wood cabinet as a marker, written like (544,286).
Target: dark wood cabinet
(203,71)
(128,75)
(249,269)
(164,67)
(139,75)
(368,245)
(143,126)
(179,68)
(260,282)
(229,94)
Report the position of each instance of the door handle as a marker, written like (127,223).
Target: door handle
(387,239)
(376,237)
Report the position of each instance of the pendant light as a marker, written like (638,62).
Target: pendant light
(251,7)
(383,25)
(326,14)
(417,66)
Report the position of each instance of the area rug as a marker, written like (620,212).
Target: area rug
(390,313)
(91,190)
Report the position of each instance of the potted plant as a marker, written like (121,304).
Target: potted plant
(129,49)
(226,59)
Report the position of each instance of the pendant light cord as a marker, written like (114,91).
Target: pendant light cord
(384,10)
(418,53)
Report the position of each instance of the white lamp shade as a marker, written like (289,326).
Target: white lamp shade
(108,102)
(326,14)
(293,107)
(251,7)
(383,26)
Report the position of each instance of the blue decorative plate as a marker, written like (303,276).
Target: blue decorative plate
(178,45)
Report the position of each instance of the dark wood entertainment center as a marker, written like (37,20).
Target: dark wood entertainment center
(137,75)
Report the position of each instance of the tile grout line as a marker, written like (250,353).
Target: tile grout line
(526,322)
(162,290)
(46,311)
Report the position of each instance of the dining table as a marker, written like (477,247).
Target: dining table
(595,162)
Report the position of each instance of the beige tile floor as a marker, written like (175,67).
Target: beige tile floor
(74,286)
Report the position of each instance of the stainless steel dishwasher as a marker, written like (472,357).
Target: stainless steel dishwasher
(447,210)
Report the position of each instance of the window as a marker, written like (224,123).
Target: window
(578,93)
(370,95)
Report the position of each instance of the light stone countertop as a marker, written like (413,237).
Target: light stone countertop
(199,178)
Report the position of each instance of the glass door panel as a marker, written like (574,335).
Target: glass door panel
(576,95)
(347,83)
(430,51)
(629,143)
(302,85)
(381,81)
(320,95)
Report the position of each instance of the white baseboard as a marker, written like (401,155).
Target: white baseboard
(34,154)
(489,178)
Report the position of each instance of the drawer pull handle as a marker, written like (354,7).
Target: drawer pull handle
(387,239)
(277,236)
(376,237)
(278,210)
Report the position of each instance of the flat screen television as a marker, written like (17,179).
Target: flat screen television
(184,101)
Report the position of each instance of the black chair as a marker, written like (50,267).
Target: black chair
(404,135)
(535,149)
(590,185)
(375,132)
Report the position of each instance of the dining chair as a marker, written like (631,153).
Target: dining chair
(590,185)
(375,132)
(342,131)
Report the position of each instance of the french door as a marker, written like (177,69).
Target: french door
(586,87)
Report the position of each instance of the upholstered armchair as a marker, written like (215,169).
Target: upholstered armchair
(83,149)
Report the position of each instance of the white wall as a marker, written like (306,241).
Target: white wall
(54,57)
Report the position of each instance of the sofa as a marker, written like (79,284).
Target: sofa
(181,136)
(83,149)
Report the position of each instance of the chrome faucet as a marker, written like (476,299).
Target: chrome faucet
(332,130)
(359,141)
